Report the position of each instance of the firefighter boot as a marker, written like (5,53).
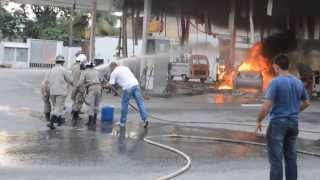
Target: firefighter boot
(90,122)
(95,119)
(47,116)
(52,120)
(60,121)
(75,118)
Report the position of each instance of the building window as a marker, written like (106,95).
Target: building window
(9,54)
(13,54)
(21,54)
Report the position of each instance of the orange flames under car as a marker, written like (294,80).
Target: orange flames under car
(254,62)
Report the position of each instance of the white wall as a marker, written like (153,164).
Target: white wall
(14,63)
(69,55)
(1,53)
(60,48)
(106,48)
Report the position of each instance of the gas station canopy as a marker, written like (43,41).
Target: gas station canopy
(102,5)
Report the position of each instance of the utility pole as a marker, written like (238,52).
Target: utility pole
(93,30)
(316,28)
(233,34)
(71,24)
(124,33)
(251,15)
(305,28)
(146,18)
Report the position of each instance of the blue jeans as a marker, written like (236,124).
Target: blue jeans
(126,96)
(282,142)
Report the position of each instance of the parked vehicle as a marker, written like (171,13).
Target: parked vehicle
(196,67)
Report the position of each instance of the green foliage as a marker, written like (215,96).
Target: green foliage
(105,24)
(52,23)
(79,27)
(9,25)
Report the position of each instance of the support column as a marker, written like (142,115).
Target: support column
(119,43)
(288,23)
(136,27)
(305,28)
(262,33)
(251,13)
(297,28)
(270,7)
(316,28)
(232,30)
(93,31)
(124,33)
(133,30)
(146,17)
(145,31)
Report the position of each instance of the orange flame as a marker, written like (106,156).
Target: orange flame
(254,62)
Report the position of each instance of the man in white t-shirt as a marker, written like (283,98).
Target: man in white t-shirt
(122,76)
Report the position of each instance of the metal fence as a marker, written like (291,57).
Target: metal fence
(40,65)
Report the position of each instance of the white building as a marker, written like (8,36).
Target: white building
(35,53)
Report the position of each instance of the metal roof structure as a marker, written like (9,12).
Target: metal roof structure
(102,5)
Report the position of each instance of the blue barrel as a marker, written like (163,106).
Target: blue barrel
(107,114)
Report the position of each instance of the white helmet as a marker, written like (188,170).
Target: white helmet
(82,58)
(60,58)
(89,65)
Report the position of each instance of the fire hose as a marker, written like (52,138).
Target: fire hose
(187,165)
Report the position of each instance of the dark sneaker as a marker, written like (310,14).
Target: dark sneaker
(146,124)
(60,121)
(122,124)
(47,116)
(51,126)
(90,122)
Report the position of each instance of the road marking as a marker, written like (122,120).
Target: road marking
(251,105)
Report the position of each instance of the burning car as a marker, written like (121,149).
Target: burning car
(248,80)
(255,72)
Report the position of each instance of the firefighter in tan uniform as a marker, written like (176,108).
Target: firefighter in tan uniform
(78,92)
(58,80)
(91,79)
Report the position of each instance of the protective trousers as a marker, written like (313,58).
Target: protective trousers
(46,104)
(78,97)
(58,103)
(93,99)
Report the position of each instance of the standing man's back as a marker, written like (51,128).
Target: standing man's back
(286,97)
(124,77)
(286,93)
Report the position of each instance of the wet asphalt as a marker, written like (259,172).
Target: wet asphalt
(29,151)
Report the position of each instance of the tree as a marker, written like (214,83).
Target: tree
(52,23)
(106,23)
(9,25)
(25,24)
(80,24)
